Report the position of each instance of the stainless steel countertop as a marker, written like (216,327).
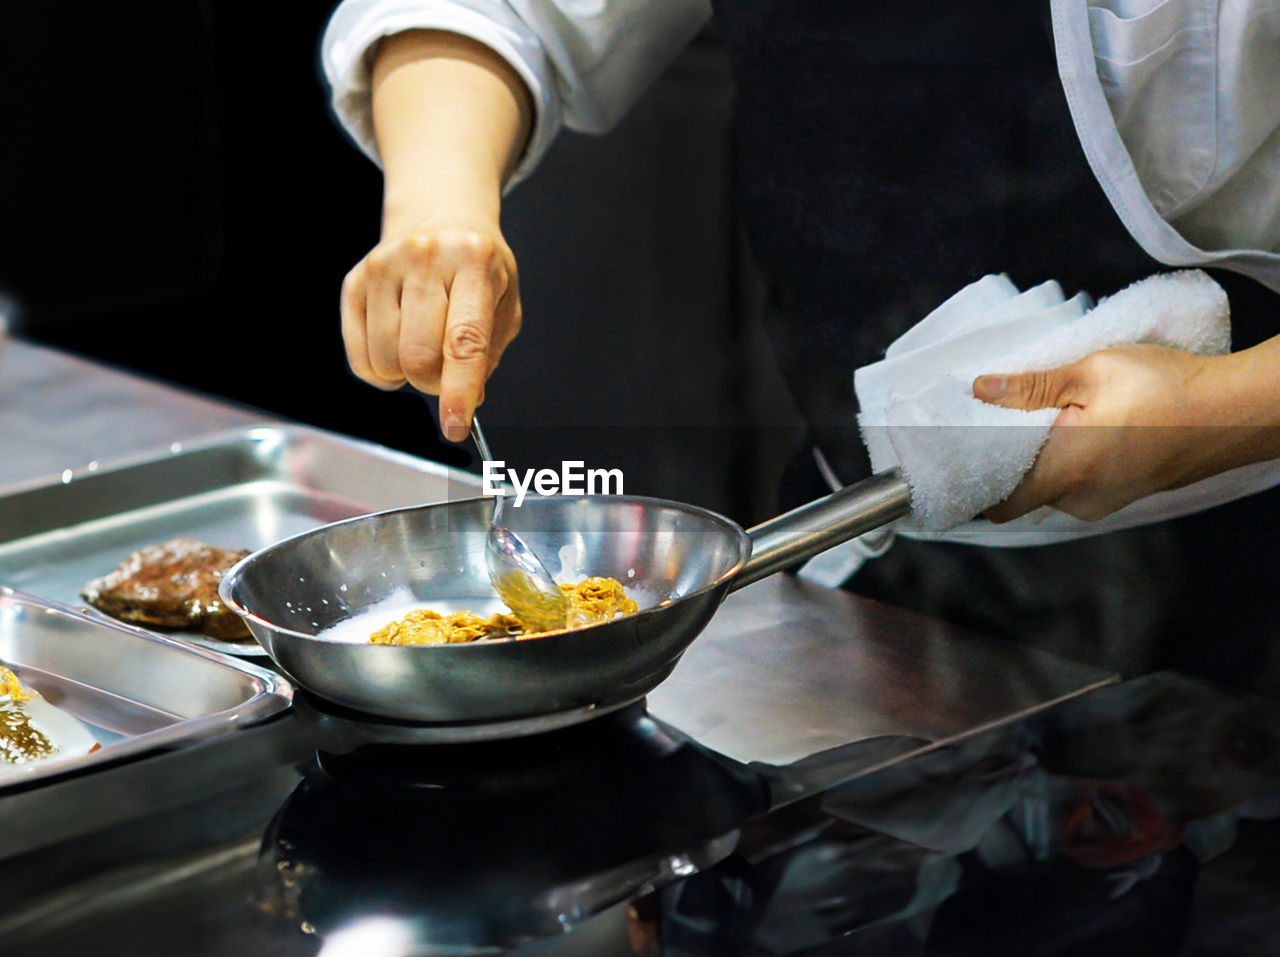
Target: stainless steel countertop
(790,671)
(61,412)
(786,671)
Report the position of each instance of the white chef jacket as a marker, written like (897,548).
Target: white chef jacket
(585,61)
(1176,102)
(1177,105)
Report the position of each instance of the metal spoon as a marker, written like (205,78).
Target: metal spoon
(516,573)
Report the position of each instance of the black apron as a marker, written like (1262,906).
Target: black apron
(888,154)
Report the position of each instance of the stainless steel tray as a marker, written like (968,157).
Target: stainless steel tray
(176,723)
(244,488)
(138,692)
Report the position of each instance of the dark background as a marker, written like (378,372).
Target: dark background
(178,200)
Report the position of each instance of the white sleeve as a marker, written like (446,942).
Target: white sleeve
(585,61)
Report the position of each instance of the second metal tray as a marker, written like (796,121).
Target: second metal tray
(246,488)
(172,721)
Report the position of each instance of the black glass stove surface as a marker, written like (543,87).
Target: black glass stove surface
(492,844)
(1141,819)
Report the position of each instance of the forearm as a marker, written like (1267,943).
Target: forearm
(451,119)
(1241,393)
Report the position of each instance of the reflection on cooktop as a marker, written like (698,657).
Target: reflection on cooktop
(1140,820)
(489,844)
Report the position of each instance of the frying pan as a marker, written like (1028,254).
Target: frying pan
(678,561)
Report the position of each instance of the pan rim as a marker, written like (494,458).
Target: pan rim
(235,573)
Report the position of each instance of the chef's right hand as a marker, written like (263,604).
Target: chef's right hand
(436,302)
(433,305)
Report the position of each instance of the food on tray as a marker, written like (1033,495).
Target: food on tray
(171,585)
(32,730)
(592,601)
(10,688)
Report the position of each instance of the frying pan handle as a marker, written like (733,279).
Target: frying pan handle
(805,531)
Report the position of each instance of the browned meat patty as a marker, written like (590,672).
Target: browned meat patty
(171,585)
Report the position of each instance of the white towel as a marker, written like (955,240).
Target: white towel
(961,455)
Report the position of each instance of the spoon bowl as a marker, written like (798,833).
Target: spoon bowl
(515,571)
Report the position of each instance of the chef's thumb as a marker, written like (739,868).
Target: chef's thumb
(1049,389)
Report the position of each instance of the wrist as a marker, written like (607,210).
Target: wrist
(1239,398)
(1249,382)
(405,210)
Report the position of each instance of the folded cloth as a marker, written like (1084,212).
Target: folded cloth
(961,456)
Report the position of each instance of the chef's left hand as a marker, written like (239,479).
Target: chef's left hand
(1135,420)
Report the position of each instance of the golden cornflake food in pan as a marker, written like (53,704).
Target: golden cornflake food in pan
(427,627)
(593,601)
